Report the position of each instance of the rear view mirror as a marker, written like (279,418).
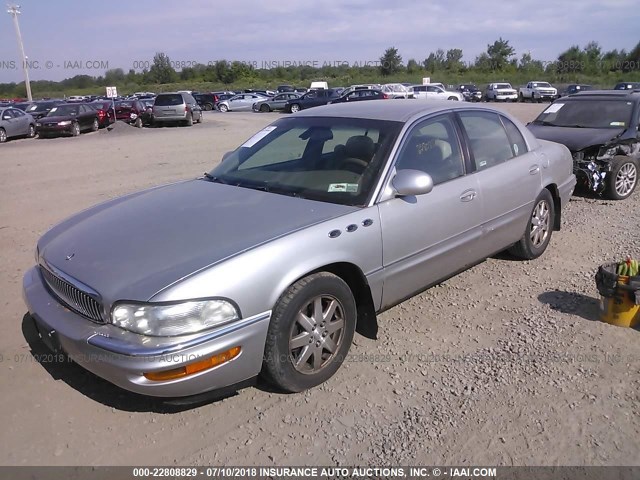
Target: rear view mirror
(412,182)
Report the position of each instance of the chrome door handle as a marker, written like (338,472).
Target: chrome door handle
(468,196)
(534,170)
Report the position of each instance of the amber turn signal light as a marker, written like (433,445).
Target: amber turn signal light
(196,367)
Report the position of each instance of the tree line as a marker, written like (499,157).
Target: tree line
(498,61)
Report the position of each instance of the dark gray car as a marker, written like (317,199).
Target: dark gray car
(177,107)
(315,223)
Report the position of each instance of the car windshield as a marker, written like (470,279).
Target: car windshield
(169,100)
(39,107)
(503,85)
(334,160)
(542,85)
(63,110)
(124,104)
(596,113)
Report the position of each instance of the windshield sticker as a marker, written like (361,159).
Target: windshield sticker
(554,108)
(258,136)
(343,187)
(617,124)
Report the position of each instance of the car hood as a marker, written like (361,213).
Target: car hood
(575,139)
(134,246)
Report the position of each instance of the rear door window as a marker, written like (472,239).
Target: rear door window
(488,138)
(169,100)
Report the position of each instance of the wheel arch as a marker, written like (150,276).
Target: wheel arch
(353,276)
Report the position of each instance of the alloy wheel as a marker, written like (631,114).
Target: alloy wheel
(540,224)
(626,179)
(316,334)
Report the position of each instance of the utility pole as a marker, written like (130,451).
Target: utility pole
(14,11)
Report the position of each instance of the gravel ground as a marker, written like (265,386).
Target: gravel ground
(504,364)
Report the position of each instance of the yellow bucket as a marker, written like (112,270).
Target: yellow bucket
(620,310)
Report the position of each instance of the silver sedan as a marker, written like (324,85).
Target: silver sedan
(15,123)
(317,222)
(241,102)
(276,102)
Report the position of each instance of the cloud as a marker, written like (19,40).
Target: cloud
(323,30)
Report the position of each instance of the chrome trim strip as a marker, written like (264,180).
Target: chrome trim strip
(114,345)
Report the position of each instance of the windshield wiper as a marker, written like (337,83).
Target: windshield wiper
(211,178)
(575,126)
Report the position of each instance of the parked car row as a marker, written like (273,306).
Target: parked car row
(52,118)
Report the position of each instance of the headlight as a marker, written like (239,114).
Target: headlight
(65,123)
(608,152)
(170,319)
(38,124)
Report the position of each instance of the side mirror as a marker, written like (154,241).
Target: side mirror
(224,157)
(412,182)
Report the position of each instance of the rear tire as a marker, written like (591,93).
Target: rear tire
(189,121)
(32,131)
(3,135)
(208,107)
(623,178)
(95,125)
(537,235)
(295,108)
(310,333)
(265,108)
(138,123)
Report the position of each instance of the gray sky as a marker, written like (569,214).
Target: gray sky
(64,38)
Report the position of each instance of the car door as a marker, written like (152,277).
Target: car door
(85,116)
(235,103)
(21,120)
(508,174)
(429,237)
(8,122)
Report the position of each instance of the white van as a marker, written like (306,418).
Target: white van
(316,85)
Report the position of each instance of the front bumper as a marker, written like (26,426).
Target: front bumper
(122,357)
(54,130)
(566,189)
(506,96)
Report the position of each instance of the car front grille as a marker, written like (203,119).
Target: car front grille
(72,297)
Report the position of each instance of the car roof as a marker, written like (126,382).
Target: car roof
(611,94)
(393,111)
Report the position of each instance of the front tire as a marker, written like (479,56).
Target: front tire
(537,235)
(223,108)
(623,178)
(310,333)
(3,135)
(75,129)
